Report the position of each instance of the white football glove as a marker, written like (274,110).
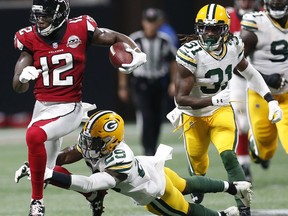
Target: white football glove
(275,112)
(29,73)
(233,210)
(138,60)
(222,98)
(23,171)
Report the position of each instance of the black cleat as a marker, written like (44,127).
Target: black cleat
(244,211)
(37,208)
(97,203)
(265,164)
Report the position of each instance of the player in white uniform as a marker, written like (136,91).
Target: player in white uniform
(265,35)
(205,65)
(143,178)
(237,85)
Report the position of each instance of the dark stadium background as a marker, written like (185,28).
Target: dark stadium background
(100,84)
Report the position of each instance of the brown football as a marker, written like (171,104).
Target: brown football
(118,54)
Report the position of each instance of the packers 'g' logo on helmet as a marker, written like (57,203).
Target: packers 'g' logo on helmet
(111,126)
(101,134)
(212,26)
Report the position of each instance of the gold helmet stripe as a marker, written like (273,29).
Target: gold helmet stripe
(211,11)
(95,118)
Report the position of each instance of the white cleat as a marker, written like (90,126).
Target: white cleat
(244,192)
(231,211)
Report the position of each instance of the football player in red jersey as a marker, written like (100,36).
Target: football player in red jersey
(53,54)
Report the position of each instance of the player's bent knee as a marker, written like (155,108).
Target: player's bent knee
(35,136)
(62,170)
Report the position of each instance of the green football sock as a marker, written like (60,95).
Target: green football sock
(202,184)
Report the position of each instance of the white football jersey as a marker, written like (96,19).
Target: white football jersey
(212,70)
(271,53)
(146,178)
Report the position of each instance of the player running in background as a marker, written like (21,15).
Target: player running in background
(53,54)
(143,178)
(238,86)
(205,65)
(265,35)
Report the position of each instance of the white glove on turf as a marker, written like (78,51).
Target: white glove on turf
(222,98)
(138,60)
(275,112)
(23,171)
(29,73)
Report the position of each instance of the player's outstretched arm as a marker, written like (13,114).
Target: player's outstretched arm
(68,155)
(108,37)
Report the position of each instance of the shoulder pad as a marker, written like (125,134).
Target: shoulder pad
(120,159)
(237,42)
(86,21)
(91,21)
(186,54)
(250,20)
(24,38)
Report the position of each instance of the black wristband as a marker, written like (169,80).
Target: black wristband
(268,97)
(232,189)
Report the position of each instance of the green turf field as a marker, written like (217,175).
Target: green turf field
(270,186)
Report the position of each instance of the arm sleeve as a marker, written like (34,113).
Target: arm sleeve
(255,80)
(97,181)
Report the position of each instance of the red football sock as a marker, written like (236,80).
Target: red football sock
(35,138)
(242,148)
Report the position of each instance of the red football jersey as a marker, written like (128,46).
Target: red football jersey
(63,63)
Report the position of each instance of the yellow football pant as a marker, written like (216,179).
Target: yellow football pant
(172,202)
(199,132)
(264,133)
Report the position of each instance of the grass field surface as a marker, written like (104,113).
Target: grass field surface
(270,186)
